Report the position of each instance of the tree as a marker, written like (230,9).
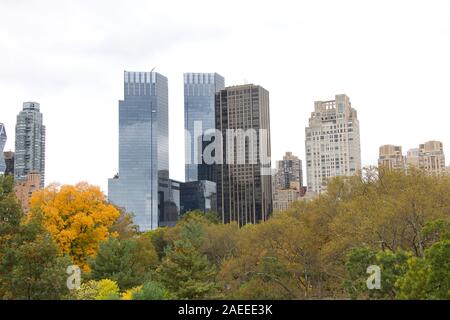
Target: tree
(78,218)
(123,227)
(429,277)
(30,267)
(185,272)
(104,289)
(10,211)
(393,266)
(151,291)
(128,262)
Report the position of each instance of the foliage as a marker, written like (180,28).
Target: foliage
(128,262)
(104,289)
(151,291)
(78,218)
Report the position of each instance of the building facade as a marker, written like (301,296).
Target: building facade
(198,195)
(244,175)
(9,162)
(332,142)
(199,116)
(141,185)
(3,138)
(30,143)
(391,158)
(287,184)
(24,189)
(429,157)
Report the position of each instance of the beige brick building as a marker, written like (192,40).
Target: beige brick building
(391,157)
(24,189)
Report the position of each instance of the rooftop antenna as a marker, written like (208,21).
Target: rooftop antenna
(153,69)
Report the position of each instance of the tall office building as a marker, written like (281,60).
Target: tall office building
(332,142)
(391,158)
(3,138)
(244,176)
(429,157)
(199,116)
(30,143)
(141,185)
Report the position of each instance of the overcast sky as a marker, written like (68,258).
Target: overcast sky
(392,58)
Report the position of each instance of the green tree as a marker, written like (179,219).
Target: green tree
(429,277)
(31,268)
(151,291)
(128,262)
(186,272)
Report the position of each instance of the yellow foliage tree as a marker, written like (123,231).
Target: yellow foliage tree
(78,218)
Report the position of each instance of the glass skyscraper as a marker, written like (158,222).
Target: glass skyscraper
(140,185)
(199,93)
(30,143)
(3,138)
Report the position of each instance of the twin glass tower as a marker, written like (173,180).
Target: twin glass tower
(143,148)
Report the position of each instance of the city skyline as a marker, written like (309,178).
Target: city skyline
(77,79)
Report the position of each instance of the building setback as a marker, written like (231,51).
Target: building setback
(30,143)
(332,142)
(244,180)
(141,186)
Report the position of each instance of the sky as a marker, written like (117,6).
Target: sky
(392,58)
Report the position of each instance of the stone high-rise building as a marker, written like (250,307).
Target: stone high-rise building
(244,175)
(142,184)
(30,143)
(391,158)
(429,157)
(332,142)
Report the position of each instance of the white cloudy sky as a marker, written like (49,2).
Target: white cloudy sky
(391,57)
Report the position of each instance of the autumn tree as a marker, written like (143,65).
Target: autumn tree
(78,218)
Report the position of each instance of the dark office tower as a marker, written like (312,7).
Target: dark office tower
(3,138)
(199,116)
(198,195)
(244,178)
(30,143)
(9,162)
(143,175)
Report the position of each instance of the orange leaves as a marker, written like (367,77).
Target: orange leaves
(78,217)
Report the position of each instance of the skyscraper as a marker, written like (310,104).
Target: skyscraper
(30,143)
(391,158)
(3,138)
(244,176)
(199,116)
(332,142)
(140,186)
